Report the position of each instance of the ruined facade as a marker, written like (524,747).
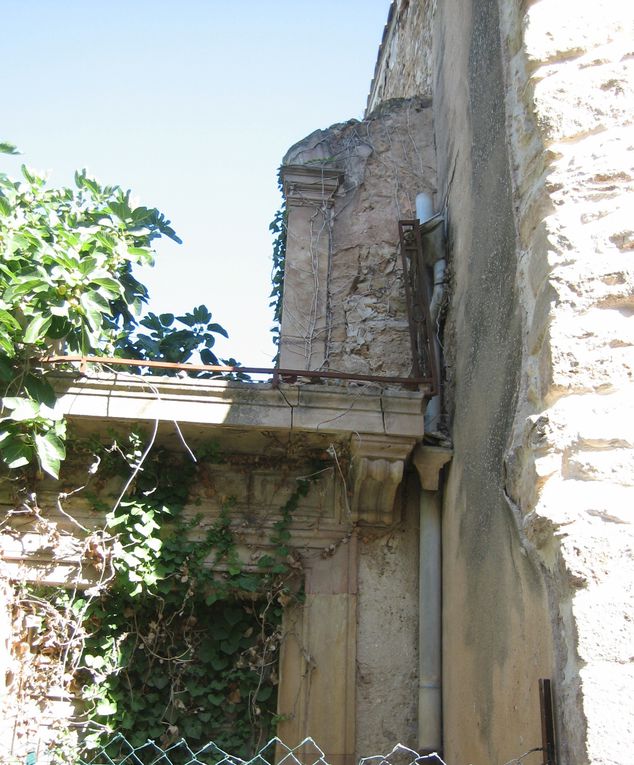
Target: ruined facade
(516,118)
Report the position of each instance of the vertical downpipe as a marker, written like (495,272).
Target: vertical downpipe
(430,613)
(429,676)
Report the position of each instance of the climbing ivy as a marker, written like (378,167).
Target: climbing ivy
(201,630)
(278,228)
(178,636)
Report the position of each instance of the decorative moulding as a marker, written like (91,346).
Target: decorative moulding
(310,184)
(377,465)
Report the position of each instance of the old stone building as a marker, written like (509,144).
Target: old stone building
(457,549)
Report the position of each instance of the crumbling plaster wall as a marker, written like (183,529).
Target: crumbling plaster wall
(532,108)
(386,159)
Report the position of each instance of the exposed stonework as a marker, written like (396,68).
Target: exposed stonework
(569,103)
(404,67)
(352,253)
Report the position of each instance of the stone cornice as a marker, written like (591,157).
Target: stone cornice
(256,406)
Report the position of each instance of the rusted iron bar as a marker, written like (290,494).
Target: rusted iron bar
(276,372)
(418,296)
(548,721)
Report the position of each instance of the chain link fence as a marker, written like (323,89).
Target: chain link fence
(119,751)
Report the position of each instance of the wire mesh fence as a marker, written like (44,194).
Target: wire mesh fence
(119,751)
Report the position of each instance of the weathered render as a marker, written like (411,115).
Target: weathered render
(532,111)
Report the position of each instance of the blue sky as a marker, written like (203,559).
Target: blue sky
(192,105)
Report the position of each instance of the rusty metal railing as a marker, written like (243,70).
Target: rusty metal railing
(277,375)
(418,296)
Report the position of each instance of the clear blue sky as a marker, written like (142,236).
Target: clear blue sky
(192,105)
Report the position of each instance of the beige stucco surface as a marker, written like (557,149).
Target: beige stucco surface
(387,652)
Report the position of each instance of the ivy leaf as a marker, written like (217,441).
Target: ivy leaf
(93,310)
(39,389)
(264,693)
(9,321)
(6,345)
(96,662)
(207,357)
(217,329)
(6,370)
(154,544)
(192,727)
(8,148)
(50,452)
(112,287)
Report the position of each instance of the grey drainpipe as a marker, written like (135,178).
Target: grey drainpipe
(429,461)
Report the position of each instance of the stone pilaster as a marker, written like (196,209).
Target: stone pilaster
(309,192)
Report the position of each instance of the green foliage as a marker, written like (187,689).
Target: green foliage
(176,339)
(67,283)
(278,227)
(185,640)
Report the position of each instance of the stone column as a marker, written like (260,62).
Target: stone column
(309,192)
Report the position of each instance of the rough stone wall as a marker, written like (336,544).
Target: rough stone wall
(571,469)
(404,67)
(386,160)
(532,118)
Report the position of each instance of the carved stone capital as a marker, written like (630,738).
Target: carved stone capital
(310,184)
(376,472)
(429,461)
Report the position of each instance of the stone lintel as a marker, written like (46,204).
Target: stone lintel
(310,184)
(429,461)
(376,473)
(245,407)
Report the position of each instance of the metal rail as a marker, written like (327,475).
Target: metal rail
(278,375)
(418,296)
